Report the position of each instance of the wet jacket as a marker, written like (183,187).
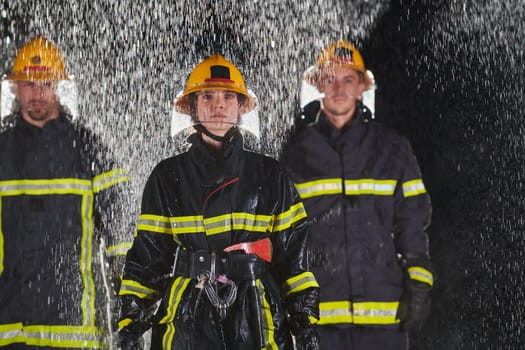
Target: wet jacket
(363,191)
(57,208)
(195,205)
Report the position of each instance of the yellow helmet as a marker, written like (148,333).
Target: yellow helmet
(215,72)
(39,59)
(339,53)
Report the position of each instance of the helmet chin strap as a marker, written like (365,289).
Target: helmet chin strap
(202,129)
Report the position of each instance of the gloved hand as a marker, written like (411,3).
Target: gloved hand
(306,337)
(414,307)
(134,322)
(128,340)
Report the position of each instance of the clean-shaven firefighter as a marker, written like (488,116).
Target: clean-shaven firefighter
(221,238)
(363,190)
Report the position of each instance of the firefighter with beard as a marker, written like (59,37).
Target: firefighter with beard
(60,207)
(362,188)
(221,238)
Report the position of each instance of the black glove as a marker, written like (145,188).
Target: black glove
(300,307)
(306,337)
(134,309)
(414,307)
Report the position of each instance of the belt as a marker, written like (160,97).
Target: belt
(234,263)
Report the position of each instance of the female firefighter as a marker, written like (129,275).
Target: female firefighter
(221,238)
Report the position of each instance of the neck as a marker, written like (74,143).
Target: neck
(213,144)
(339,121)
(36,122)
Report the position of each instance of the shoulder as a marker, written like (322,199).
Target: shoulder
(386,134)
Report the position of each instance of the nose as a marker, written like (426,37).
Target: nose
(218,102)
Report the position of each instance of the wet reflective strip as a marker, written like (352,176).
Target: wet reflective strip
(319,187)
(413,188)
(129,287)
(268,328)
(171,225)
(119,249)
(86,257)
(370,186)
(421,274)
(53,336)
(45,187)
(108,179)
(286,219)
(237,221)
(358,313)
(177,289)
(300,282)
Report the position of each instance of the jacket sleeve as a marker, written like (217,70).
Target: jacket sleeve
(299,287)
(412,215)
(149,260)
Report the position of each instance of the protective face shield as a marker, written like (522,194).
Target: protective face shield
(39,60)
(344,54)
(215,73)
(182,124)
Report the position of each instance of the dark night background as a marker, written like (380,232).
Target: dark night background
(450,77)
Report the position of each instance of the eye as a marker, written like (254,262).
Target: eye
(206,96)
(229,95)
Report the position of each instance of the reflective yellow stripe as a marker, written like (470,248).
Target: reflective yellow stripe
(125,322)
(221,223)
(268,328)
(358,313)
(171,225)
(45,186)
(119,249)
(237,221)
(86,261)
(286,219)
(421,274)
(319,187)
(54,336)
(167,338)
(413,188)
(108,179)
(370,186)
(177,289)
(300,282)
(129,287)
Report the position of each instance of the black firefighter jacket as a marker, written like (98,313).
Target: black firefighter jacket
(55,195)
(363,190)
(198,202)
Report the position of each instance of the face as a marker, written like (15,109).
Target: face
(38,101)
(217,110)
(342,86)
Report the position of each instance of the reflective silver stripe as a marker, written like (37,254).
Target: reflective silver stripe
(129,287)
(45,186)
(54,336)
(370,186)
(86,257)
(268,326)
(286,219)
(108,179)
(421,274)
(319,187)
(300,282)
(413,188)
(340,312)
(119,249)
(170,225)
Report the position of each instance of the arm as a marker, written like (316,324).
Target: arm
(148,263)
(300,289)
(412,214)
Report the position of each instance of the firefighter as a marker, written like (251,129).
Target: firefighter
(57,195)
(220,238)
(363,190)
